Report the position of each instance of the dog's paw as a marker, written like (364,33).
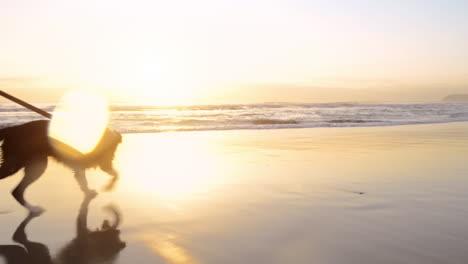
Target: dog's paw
(35,210)
(91,193)
(108,188)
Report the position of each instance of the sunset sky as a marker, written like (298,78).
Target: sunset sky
(190,52)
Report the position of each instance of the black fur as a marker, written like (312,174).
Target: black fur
(28,146)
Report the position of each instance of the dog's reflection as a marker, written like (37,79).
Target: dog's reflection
(32,252)
(99,246)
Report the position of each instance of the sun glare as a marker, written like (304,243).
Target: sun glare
(139,76)
(165,245)
(79,121)
(162,87)
(170,167)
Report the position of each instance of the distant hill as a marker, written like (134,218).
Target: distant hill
(456,98)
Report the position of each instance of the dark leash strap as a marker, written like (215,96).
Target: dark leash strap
(35,109)
(27,105)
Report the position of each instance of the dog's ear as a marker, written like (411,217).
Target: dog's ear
(109,141)
(119,137)
(114,136)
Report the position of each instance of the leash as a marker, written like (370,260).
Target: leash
(25,104)
(39,111)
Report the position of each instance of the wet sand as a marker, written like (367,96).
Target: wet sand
(324,195)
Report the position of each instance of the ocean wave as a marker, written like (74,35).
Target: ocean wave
(18,109)
(273,122)
(137,108)
(338,121)
(141,119)
(131,108)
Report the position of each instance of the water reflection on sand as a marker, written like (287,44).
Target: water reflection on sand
(276,196)
(101,245)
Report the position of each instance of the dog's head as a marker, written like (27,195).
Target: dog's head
(104,153)
(109,142)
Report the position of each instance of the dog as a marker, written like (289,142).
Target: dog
(100,246)
(28,146)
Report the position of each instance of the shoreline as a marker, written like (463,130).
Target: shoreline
(141,119)
(293,128)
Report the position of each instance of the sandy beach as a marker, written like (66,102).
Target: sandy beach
(318,195)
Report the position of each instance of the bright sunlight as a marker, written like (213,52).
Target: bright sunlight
(79,121)
(171,167)
(142,76)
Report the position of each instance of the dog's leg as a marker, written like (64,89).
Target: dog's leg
(20,234)
(32,171)
(115,177)
(80,177)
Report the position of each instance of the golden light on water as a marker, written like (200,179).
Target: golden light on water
(79,120)
(166,246)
